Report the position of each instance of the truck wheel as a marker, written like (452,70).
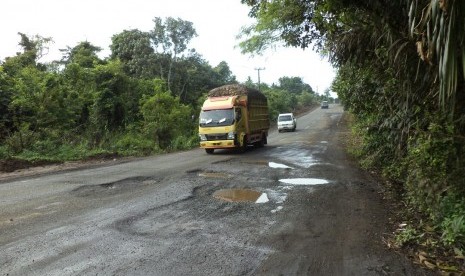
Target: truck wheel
(209,151)
(244,144)
(260,143)
(263,141)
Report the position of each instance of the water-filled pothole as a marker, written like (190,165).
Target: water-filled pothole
(278,166)
(241,195)
(304,181)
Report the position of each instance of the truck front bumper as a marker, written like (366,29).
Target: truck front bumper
(218,144)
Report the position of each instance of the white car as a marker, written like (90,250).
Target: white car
(324,104)
(286,121)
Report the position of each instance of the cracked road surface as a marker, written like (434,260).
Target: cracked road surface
(298,206)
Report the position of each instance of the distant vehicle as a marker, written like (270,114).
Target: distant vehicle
(286,121)
(324,104)
(233,116)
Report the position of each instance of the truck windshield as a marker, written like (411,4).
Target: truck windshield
(219,117)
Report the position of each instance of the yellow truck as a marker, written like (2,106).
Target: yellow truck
(233,117)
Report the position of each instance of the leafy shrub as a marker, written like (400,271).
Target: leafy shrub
(165,118)
(45,147)
(72,151)
(452,220)
(4,152)
(21,139)
(306,99)
(184,143)
(406,236)
(453,228)
(134,144)
(430,158)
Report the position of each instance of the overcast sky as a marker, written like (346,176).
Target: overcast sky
(217,23)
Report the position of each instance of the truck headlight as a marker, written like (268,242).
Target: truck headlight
(203,137)
(231,135)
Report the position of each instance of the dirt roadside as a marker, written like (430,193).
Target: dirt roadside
(15,169)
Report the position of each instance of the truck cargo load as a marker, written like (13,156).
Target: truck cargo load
(233,116)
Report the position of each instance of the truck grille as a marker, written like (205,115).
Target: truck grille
(219,136)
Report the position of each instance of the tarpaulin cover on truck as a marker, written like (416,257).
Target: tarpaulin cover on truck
(235,90)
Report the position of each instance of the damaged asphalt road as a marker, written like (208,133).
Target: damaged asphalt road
(298,206)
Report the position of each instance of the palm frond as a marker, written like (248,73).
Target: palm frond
(442,25)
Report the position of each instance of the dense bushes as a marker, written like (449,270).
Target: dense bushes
(419,147)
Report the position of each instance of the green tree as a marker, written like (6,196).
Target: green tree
(6,120)
(249,83)
(133,48)
(294,85)
(109,108)
(23,81)
(33,48)
(224,73)
(306,99)
(171,38)
(84,54)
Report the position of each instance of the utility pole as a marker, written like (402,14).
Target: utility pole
(258,71)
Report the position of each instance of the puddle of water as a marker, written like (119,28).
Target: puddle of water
(241,195)
(304,181)
(278,166)
(262,199)
(324,142)
(214,175)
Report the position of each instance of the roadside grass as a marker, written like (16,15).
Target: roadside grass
(47,152)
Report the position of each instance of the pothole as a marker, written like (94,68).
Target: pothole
(112,188)
(304,181)
(241,195)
